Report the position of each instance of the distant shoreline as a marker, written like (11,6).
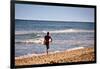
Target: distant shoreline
(75,55)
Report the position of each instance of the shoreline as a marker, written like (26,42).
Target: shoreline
(30,55)
(74,55)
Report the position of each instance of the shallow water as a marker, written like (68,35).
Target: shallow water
(66,35)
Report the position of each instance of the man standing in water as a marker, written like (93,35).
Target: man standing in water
(46,41)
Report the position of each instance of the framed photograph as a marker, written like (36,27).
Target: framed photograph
(50,34)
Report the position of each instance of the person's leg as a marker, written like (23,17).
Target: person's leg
(47,46)
(47,49)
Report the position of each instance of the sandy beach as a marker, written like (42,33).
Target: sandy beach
(75,55)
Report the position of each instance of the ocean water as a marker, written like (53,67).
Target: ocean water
(29,36)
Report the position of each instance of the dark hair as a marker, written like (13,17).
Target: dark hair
(47,33)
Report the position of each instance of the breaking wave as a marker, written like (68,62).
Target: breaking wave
(53,31)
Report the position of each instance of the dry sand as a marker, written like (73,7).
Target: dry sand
(83,54)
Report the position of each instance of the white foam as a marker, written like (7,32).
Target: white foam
(26,32)
(75,48)
(37,41)
(29,41)
(70,31)
(53,31)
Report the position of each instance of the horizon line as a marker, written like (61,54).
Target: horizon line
(53,20)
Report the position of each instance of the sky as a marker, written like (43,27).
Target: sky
(53,13)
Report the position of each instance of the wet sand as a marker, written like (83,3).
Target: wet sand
(77,55)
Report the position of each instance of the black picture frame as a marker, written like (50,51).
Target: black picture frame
(12,32)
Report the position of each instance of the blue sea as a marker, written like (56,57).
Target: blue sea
(29,36)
